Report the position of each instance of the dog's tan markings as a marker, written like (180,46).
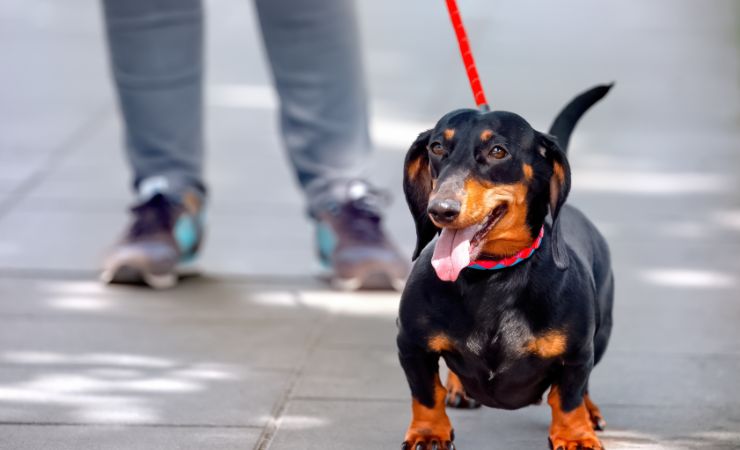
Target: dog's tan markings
(548,345)
(511,233)
(528,171)
(571,429)
(430,424)
(414,167)
(440,343)
(477,203)
(486,135)
(449,133)
(558,172)
(557,183)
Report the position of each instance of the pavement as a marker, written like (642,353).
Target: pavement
(257,354)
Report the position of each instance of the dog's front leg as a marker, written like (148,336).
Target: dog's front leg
(430,428)
(572,427)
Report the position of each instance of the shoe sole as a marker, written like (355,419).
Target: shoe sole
(376,280)
(131,275)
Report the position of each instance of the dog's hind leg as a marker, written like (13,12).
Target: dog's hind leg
(595,413)
(456,396)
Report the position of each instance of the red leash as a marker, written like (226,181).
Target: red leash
(467,55)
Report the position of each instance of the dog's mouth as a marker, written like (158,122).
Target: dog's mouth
(455,248)
(487,225)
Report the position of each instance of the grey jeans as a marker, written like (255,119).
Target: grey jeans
(157,60)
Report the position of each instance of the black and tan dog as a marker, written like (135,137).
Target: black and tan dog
(513,302)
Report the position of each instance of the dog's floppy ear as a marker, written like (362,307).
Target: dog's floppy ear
(417,185)
(559,189)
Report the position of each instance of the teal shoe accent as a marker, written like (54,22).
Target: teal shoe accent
(187,259)
(326,241)
(186,233)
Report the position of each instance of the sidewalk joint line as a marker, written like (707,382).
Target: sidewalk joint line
(273,424)
(55,156)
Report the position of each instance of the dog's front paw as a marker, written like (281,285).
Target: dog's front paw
(574,429)
(575,434)
(581,443)
(456,396)
(420,437)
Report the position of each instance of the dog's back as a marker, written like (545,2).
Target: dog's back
(581,236)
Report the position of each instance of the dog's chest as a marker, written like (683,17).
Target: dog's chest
(500,340)
(500,361)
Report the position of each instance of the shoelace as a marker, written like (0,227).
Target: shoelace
(154,216)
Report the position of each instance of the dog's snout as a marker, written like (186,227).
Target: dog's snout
(444,210)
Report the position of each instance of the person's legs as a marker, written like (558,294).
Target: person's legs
(156,55)
(314,51)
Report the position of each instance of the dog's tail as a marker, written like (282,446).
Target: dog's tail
(567,119)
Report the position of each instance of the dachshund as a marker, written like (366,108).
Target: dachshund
(516,302)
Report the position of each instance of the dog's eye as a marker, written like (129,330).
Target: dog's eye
(497,152)
(436,148)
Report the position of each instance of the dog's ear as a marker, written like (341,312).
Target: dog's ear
(559,189)
(417,185)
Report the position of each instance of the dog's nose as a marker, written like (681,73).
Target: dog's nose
(444,210)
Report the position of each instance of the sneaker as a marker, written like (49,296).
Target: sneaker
(163,236)
(352,244)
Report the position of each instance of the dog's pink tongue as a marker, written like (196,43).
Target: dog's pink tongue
(452,252)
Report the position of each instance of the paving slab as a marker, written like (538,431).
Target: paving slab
(199,298)
(80,353)
(42,239)
(135,388)
(359,373)
(278,240)
(275,344)
(362,332)
(70,437)
(672,326)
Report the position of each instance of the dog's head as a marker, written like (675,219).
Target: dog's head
(486,181)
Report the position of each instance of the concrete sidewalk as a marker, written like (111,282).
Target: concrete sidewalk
(257,354)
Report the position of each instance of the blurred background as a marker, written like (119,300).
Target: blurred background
(260,354)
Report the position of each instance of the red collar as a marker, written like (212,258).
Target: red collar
(495,264)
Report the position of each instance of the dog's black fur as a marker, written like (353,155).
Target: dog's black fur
(490,316)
